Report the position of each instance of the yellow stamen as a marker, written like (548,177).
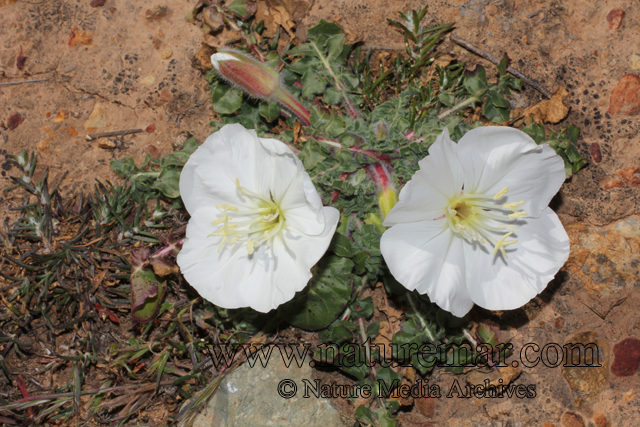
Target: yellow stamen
(239,187)
(513,206)
(519,214)
(250,246)
(501,193)
(226,207)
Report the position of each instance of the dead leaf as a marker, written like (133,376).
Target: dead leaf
(78,36)
(4,3)
(202,59)
(549,111)
(14,121)
(72,131)
(20,60)
(283,18)
(60,117)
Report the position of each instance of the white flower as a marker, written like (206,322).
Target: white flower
(257,223)
(473,225)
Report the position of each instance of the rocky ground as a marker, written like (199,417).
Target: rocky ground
(115,65)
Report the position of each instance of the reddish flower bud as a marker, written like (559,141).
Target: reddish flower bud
(257,79)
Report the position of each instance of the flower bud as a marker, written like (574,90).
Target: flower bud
(387,199)
(380,173)
(257,79)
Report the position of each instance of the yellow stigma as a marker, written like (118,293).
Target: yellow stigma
(480,218)
(253,225)
(500,244)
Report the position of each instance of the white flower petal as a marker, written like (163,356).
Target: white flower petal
(428,257)
(308,249)
(498,284)
(496,157)
(427,195)
(209,177)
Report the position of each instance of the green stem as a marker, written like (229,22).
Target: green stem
(465,103)
(351,109)
(423,323)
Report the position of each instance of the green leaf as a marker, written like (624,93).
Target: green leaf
(323,28)
(324,298)
(364,415)
(312,154)
(226,99)
(243,9)
(147,291)
(338,332)
(476,83)
(388,376)
(362,308)
(373,329)
(269,110)
(335,45)
(332,96)
(179,158)
(340,245)
(312,84)
(503,65)
(168,183)
(124,167)
(335,127)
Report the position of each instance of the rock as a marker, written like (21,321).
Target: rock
(596,154)
(604,261)
(559,322)
(625,97)
(600,420)
(166,54)
(97,119)
(177,142)
(580,368)
(426,406)
(157,12)
(248,397)
(97,3)
(201,61)
(635,61)
(571,419)
(106,144)
(629,227)
(631,175)
(149,80)
(626,357)
(79,36)
(153,151)
(607,183)
(614,18)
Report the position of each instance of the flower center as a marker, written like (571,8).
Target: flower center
(252,226)
(473,216)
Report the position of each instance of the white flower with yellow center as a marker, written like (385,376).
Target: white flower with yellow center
(473,225)
(257,223)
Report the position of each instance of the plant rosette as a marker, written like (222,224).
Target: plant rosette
(257,223)
(473,225)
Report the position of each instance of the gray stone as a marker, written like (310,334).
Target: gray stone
(249,397)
